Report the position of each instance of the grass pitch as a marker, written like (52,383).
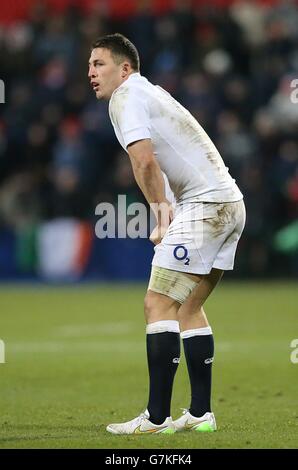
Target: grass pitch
(76,361)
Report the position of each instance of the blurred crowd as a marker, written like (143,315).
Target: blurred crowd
(233,68)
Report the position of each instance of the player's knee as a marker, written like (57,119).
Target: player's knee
(189,317)
(191,311)
(151,306)
(159,307)
(147,305)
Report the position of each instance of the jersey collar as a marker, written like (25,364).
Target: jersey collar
(131,77)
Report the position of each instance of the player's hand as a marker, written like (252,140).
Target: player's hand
(157,234)
(161,228)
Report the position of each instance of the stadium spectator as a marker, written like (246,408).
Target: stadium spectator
(238,67)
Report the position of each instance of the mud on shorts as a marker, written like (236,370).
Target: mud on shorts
(202,236)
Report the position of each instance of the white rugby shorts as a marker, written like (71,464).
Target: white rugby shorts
(202,236)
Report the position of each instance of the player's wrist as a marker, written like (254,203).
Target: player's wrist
(163,212)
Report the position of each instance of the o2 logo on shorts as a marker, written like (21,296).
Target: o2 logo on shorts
(181,254)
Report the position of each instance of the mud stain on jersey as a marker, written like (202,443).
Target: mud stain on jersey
(118,105)
(187,125)
(184,123)
(213,159)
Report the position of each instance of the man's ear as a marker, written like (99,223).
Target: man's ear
(125,69)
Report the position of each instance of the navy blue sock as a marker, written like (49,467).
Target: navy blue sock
(163,354)
(199,352)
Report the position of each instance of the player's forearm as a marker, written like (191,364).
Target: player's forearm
(150,180)
(149,177)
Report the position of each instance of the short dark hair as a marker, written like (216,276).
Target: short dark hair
(120,47)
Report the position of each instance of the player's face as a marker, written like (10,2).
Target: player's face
(104,74)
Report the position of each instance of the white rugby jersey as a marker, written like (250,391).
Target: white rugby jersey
(186,155)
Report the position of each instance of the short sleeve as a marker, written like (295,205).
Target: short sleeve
(130,116)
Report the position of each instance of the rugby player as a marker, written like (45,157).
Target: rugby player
(177,167)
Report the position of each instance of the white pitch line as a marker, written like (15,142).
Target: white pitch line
(124,346)
(79,331)
(73,347)
(86,346)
